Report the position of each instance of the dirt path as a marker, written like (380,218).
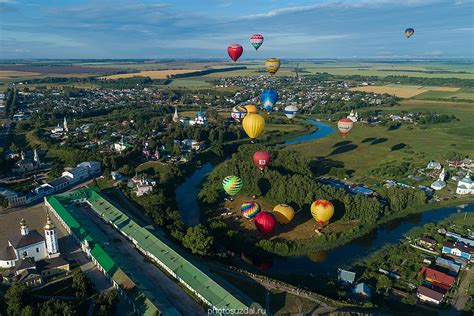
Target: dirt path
(462,295)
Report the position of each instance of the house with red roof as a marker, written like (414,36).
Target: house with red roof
(437,277)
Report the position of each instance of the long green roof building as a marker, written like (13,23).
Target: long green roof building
(144,297)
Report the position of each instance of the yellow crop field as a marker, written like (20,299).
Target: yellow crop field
(153,74)
(403,91)
(6,74)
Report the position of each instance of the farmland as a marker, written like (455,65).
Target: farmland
(153,74)
(404,91)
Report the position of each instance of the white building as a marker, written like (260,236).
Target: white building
(59,129)
(440,183)
(121,146)
(199,119)
(354,117)
(465,185)
(30,244)
(434,165)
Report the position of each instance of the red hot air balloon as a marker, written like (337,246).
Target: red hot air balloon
(261,159)
(235,51)
(345,126)
(265,222)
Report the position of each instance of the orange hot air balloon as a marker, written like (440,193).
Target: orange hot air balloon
(322,211)
(345,125)
(251,108)
(253,125)
(283,213)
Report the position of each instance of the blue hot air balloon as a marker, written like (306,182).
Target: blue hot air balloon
(268,99)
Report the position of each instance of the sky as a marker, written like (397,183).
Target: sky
(204,28)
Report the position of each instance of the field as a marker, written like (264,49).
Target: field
(369,146)
(153,74)
(405,91)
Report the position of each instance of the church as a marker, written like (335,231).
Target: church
(30,244)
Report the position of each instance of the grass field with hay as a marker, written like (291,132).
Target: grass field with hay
(404,91)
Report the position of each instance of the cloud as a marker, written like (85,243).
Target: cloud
(339,4)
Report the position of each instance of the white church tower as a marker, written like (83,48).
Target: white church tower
(35,156)
(176,116)
(24,230)
(65,125)
(51,238)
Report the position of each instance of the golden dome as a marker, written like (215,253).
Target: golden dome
(23,223)
(49,224)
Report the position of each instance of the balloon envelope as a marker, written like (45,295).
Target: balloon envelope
(268,99)
(322,211)
(232,185)
(272,65)
(251,108)
(291,111)
(345,125)
(283,213)
(250,209)
(256,40)
(265,222)
(409,32)
(235,51)
(253,125)
(238,112)
(261,159)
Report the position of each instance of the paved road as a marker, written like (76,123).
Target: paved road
(146,270)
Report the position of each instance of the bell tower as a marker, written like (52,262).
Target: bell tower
(51,238)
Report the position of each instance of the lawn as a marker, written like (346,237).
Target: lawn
(369,146)
(406,91)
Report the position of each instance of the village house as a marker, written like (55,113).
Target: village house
(458,250)
(425,294)
(427,242)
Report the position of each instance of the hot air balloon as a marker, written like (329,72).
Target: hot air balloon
(322,211)
(250,210)
(261,159)
(268,99)
(253,125)
(265,222)
(232,185)
(235,51)
(238,112)
(291,111)
(345,125)
(256,40)
(251,108)
(283,213)
(272,65)
(409,32)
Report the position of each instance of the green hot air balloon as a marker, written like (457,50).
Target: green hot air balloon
(232,185)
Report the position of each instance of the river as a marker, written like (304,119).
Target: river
(326,262)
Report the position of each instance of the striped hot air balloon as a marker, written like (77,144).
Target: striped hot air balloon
(322,211)
(256,40)
(345,125)
(238,113)
(291,111)
(272,65)
(250,210)
(232,185)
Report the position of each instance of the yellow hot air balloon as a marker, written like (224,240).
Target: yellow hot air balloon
(251,108)
(322,211)
(283,213)
(253,125)
(272,65)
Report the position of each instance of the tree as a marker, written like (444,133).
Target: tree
(15,299)
(106,303)
(198,240)
(81,284)
(383,282)
(55,307)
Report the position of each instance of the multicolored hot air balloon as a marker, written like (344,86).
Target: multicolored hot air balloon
(238,112)
(322,211)
(256,40)
(253,125)
(283,213)
(250,210)
(261,159)
(409,32)
(251,108)
(265,222)
(268,99)
(272,65)
(291,111)
(232,185)
(235,51)
(345,125)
